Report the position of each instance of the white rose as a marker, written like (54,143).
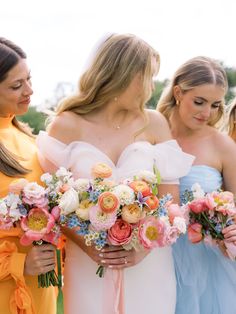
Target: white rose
(34,190)
(197,191)
(125,194)
(180,224)
(15,214)
(46,177)
(62,172)
(12,201)
(147,176)
(69,202)
(81,185)
(3,208)
(83,210)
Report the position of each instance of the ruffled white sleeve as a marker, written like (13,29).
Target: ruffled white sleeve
(171,161)
(52,154)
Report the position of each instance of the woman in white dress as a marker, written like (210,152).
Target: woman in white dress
(106,122)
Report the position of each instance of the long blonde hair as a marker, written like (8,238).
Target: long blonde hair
(10,54)
(231,121)
(118,59)
(195,72)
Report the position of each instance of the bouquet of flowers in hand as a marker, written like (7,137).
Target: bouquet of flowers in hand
(209,214)
(29,206)
(127,214)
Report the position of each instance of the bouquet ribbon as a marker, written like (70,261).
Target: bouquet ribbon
(20,299)
(113,291)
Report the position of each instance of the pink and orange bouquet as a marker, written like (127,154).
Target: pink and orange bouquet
(209,214)
(127,214)
(33,208)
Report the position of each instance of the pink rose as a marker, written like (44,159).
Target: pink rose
(197,206)
(17,186)
(174,210)
(195,232)
(120,233)
(172,235)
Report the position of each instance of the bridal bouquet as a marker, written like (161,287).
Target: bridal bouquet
(30,207)
(209,214)
(127,214)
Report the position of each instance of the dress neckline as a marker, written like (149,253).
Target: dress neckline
(6,122)
(114,164)
(206,167)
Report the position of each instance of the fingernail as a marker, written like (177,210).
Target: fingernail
(110,266)
(100,255)
(103,261)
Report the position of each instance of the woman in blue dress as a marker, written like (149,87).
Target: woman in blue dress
(193,104)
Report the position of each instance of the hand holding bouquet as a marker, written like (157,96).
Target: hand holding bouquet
(29,206)
(209,214)
(127,213)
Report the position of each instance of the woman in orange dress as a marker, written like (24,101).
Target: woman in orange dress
(19,266)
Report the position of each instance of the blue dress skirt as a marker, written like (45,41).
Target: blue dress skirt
(206,280)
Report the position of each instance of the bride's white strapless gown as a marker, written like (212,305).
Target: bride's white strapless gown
(150,286)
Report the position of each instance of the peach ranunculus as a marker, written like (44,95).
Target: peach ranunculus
(174,210)
(120,233)
(195,232)
(83,211)
(151,232)
(38,225)
(17,185)
(101,170)
(108,202)
(132,213)
(140,186)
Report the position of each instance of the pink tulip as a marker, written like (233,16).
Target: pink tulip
(195,232)
(197,206)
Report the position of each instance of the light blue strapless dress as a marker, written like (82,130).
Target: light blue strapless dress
(206,280)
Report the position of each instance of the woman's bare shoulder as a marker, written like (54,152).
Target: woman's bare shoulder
(64,124)
(158,125)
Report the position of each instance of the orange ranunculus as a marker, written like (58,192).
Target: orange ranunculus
(152,203)
(132,213)
(108,202)
(140,186)
(101,170)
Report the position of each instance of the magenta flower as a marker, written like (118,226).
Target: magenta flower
(38,225)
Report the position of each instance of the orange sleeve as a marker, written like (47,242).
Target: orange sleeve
(12,266)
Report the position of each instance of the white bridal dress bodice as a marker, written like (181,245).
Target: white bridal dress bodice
(149,286)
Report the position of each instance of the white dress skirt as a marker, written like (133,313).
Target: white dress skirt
(150,286)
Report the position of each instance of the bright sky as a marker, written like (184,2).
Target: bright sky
(58,35)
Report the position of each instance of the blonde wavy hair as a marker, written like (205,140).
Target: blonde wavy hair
(231,121)
(195,72)
(116,62)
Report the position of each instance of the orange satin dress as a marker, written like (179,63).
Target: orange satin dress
(20,294)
